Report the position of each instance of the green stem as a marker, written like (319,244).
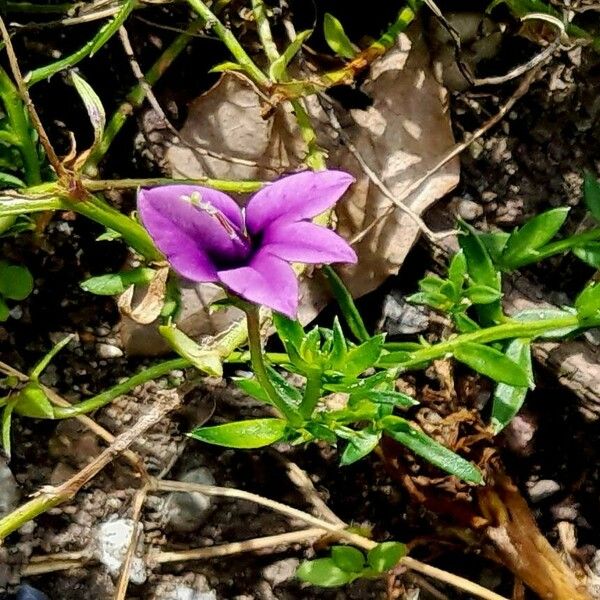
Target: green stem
(92,208)
(312,394)
(264,30)
(231,42)
(137,95)
(225,185)
(561,246)
(510,330)
(89,49)
(315,158)
(258,364)
(148,374)
(17,115)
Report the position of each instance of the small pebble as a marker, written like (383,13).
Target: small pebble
(109,351)
(281,571)
(112,541)
(187,512)
(542,489)
(469,210)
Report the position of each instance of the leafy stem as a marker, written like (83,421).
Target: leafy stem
(231,42)
(496,333)
(258,363)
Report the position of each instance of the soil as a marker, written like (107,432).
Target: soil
(531,161)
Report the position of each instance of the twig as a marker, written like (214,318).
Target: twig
(149,94)
(49,497)
(270,541)
(457,149)
(33,115)
(138,503)
(237,187)
(335,529)
(383,188)
(302,481)
(102,433)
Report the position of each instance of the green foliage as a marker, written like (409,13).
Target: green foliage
(336,37)
(16,283)
(347,564)
(253,433)
(591,194)
(508,399)
(277,70)
(116,283)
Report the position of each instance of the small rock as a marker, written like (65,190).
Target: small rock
(519,434)
(542,489)
(401,318)
(280,571)
(108,351)
(188,511)
(468,209)
(112,541)
(183,589)
(9,489)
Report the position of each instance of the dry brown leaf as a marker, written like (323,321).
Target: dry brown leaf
(148,308)
(401,136)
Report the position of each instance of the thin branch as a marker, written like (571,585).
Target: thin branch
(271,541)
(334,529)
(49,497)
(33,115)
(136,511)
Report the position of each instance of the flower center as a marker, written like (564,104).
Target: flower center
(242,243)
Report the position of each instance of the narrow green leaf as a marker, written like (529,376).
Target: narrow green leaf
(359,446)
(93,106)
(278,68)
(591,194)
(116,283)
(16,282)
(431,284)
(494,243)
(361,358)
(481,271)
(508,399)
(339,347)
(421,444)
(589,253)
(348,558)
(336,37)
(492,363)
(6,423)
(482,294)
(539,314)
(457,270)
(227,65)
(386,556)
(290,331)
(464,323)
(254,433)
(433,299)
(346,303)
(250,386)
(206,360)
(324,573)
(287,392)
(45,361)
(522,245)
(588,301)
(385,397)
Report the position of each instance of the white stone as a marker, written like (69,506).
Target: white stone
(109,351)
(112,541)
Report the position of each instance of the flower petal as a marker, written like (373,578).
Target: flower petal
(306,242)
(221,201)
(296,197)
(266,280)
(190,238)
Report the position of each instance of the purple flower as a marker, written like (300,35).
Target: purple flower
(207,238)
